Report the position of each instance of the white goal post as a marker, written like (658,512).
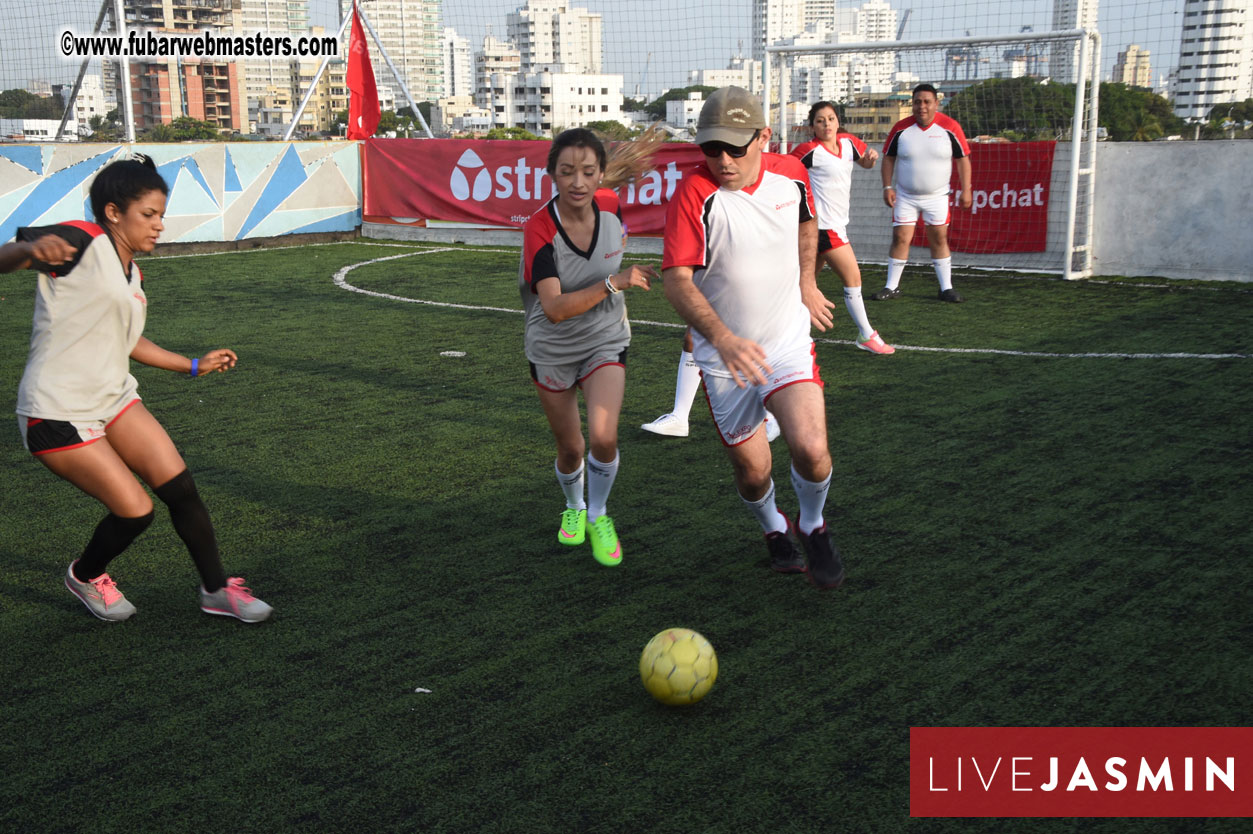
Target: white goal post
(1014,67)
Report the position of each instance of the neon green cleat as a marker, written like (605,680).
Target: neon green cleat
(605,545)
(573,527)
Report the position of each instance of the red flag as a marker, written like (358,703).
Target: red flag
(363,99)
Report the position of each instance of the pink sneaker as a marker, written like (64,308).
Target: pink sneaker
(234,600)
(100,595)
(875,344)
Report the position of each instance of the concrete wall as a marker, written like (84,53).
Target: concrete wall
(218,191)
(1175,209)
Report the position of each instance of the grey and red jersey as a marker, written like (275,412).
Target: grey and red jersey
(924,156)
(89,314)
(743,249)
(548,253)
(831,176)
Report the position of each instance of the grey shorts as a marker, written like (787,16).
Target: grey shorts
(564,377)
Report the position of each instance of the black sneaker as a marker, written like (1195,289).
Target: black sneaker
(885,293)
(784,555)
(951,296)
(826,569)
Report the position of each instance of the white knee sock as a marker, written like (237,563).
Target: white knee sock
(857,309)
(685,385)
(944,272)
(767,513)
(599,482)
(812,497)
(895,268)
(572,486)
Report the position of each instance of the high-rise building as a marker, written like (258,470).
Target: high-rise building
(412,33)
(1132,67)
(205,89)
(553,37)
(273,17)
(1215,56)
(458,66)
(1064,57)
(497,57)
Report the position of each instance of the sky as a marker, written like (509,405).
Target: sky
(652,43)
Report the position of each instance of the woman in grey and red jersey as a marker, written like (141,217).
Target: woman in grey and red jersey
(78,406)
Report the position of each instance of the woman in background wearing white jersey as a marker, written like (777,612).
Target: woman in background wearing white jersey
(78,407)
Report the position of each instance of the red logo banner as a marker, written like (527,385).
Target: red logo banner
(1010,185)
(501,183)
(1080,771)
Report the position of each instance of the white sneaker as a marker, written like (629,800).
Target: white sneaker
(772,428)
(668,425)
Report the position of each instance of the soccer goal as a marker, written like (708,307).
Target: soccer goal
(1027,104)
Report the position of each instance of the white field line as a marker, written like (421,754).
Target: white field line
(341,280)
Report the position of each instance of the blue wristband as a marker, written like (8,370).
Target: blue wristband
(195,368)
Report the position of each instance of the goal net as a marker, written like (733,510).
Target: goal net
(1027,104)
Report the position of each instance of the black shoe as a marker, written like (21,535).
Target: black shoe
(784,556)
(951,295)
(826,569)
(885,293)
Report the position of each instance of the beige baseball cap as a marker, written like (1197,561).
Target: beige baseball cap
(730,115)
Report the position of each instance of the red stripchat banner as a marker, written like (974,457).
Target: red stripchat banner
(502,183)
(1081,771)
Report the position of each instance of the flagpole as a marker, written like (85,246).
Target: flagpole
(395,74)
(291,128)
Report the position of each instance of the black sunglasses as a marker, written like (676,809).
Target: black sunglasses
(733,151)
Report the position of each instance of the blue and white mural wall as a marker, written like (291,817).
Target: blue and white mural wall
(218,191)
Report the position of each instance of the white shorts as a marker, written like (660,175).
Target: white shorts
(933,210)
(41,436)
(738,412)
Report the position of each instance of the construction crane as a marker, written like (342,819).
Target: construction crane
(643,75)
(900,30)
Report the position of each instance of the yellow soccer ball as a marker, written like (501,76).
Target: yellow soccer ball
(678,667)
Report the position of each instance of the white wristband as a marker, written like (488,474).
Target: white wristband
(889,188)
(609,285)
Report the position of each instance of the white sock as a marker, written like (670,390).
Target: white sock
(572,486)
(768,515)
(685,385)
(895,268)
(598,485)
(812,497)
(857,309)
(944,271)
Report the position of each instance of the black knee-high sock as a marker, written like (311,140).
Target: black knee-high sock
(113,535)
(191,522)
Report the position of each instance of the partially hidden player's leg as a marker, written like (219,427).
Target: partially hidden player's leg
(687,381)
(843,262)
(562,410)
(801,412)
(898,257)
(942,261)
(142,442)
(603,391)
(99,471)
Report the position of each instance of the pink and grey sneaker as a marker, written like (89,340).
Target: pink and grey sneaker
(100,595)
(875,344)
(234,600)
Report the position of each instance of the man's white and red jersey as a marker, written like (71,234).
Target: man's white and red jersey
(548,252)
(89,314)
(924,156)
(831,175)
(743,247)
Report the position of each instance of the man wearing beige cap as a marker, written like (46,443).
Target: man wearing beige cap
(741,242)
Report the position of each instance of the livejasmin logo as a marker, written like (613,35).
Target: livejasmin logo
(1080,771)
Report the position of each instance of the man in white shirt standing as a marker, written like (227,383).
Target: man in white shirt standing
(741,244)
(922,150)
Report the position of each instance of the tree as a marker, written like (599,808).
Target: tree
(614,131)
(183,129)
(509,133)
(1134,114)
(657,109)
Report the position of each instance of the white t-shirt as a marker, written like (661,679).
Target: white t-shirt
(924,156)
(744,249)
(89,314)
